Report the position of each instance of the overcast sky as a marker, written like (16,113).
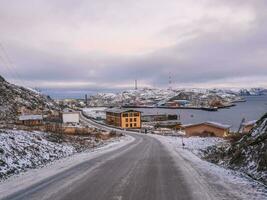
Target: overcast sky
(107,44)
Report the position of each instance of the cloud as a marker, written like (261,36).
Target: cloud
(109,44)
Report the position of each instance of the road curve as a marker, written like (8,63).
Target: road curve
(141,170)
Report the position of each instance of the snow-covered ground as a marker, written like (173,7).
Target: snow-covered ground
(32,176)
(20,150)
(95,112)
(196,144)
(238,183)
(23,150)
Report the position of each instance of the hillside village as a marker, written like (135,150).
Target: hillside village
(35,130)
(191,98)
(40,130)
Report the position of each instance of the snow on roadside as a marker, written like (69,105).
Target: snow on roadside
(220,178)
(22,150)
(33,176)
(197,144)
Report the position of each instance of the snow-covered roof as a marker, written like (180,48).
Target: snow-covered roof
(30,117)
(72,112)
(215,124)
(248,123)
(121,110)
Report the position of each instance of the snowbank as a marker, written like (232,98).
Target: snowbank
(197,145)
(20,150)
(234,182)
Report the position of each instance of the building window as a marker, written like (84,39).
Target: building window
(135,119)
(126,120)
(131,114)
(131,125)
(127,125)
(125,114)
(136,114)
(131,119)
(135,125)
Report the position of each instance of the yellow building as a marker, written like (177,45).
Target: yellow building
(123,118)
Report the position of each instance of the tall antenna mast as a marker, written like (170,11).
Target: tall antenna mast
(170,81)
(135,84)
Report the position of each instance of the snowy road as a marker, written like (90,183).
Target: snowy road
(148,167)
(143,169)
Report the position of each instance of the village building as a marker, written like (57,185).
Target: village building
(158,117)
(171,124)
(123,118)
(31,120)
(206,129)
(247,126)
(70,117)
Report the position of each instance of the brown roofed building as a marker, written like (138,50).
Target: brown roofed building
(31,120)
(206,129)
(123,118)
(247,126)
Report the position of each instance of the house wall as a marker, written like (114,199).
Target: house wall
(131,120)
(113,119)
(32,122)
(205,130)
(246,129)
(124,120)
(71,117)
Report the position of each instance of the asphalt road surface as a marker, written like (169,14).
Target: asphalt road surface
(141,170)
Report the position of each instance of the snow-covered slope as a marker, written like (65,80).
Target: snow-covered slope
(248,155)
(13,97)
(20,150)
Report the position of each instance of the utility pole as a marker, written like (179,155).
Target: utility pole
(170,81)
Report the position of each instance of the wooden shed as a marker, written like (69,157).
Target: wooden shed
(31,120)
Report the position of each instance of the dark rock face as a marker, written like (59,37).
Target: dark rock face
(13,97)
(248,155)
(2,79)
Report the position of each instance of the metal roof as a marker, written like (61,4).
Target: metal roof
(121,110)
(30,117)
(215,124)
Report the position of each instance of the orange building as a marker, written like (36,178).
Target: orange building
(206,129)
(123,118)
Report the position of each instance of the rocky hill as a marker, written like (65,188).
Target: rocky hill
(248,155)
(13,98)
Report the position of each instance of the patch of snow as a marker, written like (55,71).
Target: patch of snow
(95,112)
(214,178)
(33,176)
(20,150)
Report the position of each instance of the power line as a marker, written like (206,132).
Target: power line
(10,64)
(6,65)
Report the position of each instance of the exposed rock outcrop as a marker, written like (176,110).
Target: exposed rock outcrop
(248,155)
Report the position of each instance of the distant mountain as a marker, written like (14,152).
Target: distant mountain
(13,98)
(248,155)
(253,92)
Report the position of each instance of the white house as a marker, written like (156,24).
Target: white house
(71,117)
